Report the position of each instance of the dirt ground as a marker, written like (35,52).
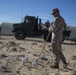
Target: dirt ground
(13,52)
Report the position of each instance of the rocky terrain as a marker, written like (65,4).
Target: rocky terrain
(19,57)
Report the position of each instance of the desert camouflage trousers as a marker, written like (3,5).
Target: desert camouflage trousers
(56,47)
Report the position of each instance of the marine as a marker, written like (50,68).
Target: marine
(57,37)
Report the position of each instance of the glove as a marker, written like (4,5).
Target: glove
(50,29)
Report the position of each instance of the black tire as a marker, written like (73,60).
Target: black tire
(20,35)
(45,36)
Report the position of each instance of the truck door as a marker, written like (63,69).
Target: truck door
(29,24)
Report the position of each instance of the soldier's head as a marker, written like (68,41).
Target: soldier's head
(55,12)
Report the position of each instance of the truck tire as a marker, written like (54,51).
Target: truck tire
(20,35)
(45,36)
(66,34)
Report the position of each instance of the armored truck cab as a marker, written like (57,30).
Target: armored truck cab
(30,27)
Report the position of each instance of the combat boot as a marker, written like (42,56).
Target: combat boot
(65,64)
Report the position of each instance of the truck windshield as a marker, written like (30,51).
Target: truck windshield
(25,20)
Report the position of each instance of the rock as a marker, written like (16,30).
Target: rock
(28,52)
(3,67)
(34,43)
(21,49)
(3,56)
(44,58)
(12,43)
(18,72)
(66,73)
(35,54)
(13,49)
(49,45)
(50,49)
(6,69)
(1,42)
(40,45)
(73,64)
(74,58)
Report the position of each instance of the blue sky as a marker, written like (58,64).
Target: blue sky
(15,10)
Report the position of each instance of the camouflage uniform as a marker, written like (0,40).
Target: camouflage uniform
(57,36)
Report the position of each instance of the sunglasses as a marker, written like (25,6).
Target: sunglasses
(53,13)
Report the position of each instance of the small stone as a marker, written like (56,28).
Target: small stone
(28,52)
(74,58)
(13,43)
(1,42)
(49,45)
(3,67)
(14,49)
(18,72)
(21,48)
(3,56)
(43,58)
(35,55)
(7,70)
(34,43)
(66,73)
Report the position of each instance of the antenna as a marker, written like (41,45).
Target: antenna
(22,11)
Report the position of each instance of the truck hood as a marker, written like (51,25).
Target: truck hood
(17,24)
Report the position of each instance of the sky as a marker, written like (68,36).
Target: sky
(15,10)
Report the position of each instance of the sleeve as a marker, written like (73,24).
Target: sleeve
(56,25)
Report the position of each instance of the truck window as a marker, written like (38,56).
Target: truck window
(28,21)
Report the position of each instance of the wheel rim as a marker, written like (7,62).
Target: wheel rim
(20,36)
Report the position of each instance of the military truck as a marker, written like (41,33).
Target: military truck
(30,27)
(66,33)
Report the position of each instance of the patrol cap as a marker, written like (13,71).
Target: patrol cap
(55,10)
